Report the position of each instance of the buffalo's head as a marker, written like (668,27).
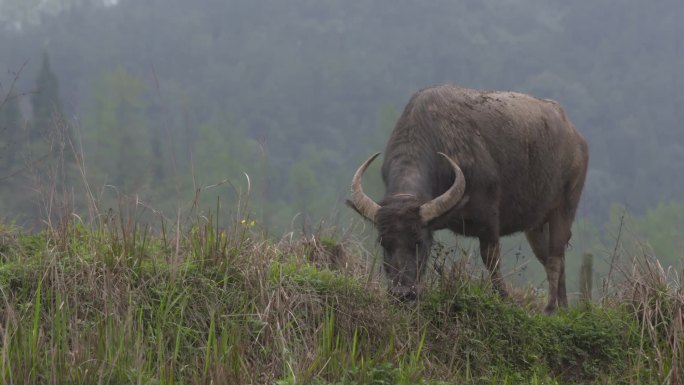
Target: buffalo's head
(403,224)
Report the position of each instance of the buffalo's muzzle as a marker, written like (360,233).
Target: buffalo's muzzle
(403,293)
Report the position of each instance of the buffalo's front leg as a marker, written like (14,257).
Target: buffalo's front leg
(490,251)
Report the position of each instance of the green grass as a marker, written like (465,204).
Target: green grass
(119,304)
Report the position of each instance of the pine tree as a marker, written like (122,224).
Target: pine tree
(45,101)
(45,152)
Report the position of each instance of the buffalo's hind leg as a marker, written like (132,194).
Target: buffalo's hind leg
(548,243)
(560,225)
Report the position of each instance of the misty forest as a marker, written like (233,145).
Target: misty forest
(164,99)
(257,113)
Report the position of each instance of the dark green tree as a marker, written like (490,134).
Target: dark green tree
(117,132)
(47,107)
(46,151)
(221,157)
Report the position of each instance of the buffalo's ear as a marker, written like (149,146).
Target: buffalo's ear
(351,204)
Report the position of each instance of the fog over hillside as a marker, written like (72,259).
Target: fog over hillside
(168,95)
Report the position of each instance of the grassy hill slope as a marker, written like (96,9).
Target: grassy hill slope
(117,303)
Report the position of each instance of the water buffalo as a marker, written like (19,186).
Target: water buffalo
(481,164)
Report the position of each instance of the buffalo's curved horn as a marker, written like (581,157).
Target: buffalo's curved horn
(438,206)
(362,202)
